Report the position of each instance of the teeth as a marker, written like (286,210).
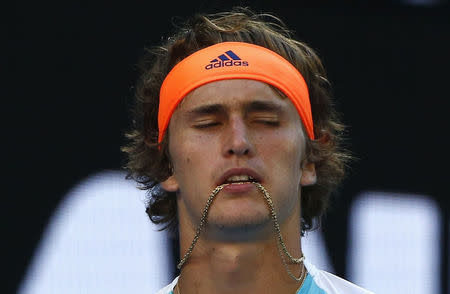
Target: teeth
(240,178)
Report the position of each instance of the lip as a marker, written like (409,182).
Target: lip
(239,188)
(239,171)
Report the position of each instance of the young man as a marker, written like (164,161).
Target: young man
(237,140)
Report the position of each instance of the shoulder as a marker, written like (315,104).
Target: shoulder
(333,284)
(169,288)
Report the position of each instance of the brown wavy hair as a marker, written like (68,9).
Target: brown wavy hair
(149,162)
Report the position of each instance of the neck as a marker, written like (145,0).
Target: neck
(250,268)
(241,267)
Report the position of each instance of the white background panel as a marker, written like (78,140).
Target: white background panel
(314,249)
(100,240)
(394,244)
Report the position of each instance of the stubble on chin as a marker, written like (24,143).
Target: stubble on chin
(239,228)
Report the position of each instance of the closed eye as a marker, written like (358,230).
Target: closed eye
(274,123)
(269,121)
(205,125)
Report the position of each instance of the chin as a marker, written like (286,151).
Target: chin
(242,227)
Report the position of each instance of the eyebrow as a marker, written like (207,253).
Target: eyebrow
(262,106)
(207,109)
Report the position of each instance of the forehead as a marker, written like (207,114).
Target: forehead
(234,93)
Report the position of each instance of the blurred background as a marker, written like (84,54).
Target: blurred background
(75,225)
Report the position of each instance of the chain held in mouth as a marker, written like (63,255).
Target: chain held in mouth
(280,243)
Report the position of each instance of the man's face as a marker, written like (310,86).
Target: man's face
(236,131)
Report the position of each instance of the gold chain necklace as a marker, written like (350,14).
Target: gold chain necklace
(280,243)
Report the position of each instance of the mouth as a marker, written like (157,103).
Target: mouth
(239,177)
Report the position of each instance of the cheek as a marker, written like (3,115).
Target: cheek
(190,160)
(287,144)
(284,153)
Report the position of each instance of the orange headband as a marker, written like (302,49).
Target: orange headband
(233,60)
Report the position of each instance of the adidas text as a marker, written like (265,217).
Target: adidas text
(226,63)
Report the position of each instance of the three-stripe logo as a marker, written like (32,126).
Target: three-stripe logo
(229,58)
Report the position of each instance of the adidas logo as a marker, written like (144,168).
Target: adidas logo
(229,58)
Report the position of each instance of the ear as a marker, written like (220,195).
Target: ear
(308,176)
(170,185)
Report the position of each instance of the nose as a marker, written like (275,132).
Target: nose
(237,140)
